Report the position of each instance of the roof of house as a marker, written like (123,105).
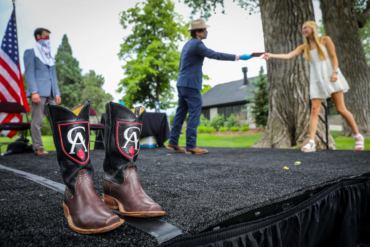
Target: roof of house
(228,93)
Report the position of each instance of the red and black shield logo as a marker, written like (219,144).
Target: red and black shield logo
(128,138)
(75,140)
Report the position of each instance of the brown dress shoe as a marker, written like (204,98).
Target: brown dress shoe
(85,211)
(196,150)
(176,148)
(41,152)
(129,197)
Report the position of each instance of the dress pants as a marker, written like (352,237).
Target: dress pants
(38,111)
(190,100)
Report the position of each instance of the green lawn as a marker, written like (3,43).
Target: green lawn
(204,140)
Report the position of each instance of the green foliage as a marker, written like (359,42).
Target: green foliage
(365,37)
(201,129)
(183,131)
(210,129)
(234,129)
(93,91)
(45,128)
(223,129)
(204,121)
(205,88)
(151,52)
(245,128)
(218,121)
(321,28)
(232,121)
(206,7)
(171,117)
(260,101)
(68,75)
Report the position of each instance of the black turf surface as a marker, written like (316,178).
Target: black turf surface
(196,191)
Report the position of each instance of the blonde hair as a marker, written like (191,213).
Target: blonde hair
(320,51)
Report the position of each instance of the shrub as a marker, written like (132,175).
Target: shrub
(204,121)
(234,129)
(210,129)
(232,121)
(223,129)
(201,129)
(245,128)
(45,129)
(218,121)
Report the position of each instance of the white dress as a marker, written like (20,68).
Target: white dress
(320,72)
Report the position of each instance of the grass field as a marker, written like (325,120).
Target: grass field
(204,140)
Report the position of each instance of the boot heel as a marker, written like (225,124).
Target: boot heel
(66,210)
(110,201)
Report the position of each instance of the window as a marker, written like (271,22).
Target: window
(221,111)
(205,113)
(228,111)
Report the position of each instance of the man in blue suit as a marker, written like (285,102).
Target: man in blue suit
(189,85)
(42,84)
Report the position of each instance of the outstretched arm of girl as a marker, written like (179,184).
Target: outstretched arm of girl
(296,52)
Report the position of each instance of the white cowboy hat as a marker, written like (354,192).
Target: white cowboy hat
(198,24)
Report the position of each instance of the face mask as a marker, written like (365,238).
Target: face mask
(205,34)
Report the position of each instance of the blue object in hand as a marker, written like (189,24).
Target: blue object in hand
(245,57)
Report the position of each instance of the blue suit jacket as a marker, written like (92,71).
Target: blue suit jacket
(40,78)
(191,62)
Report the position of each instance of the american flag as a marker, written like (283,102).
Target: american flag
(11,83)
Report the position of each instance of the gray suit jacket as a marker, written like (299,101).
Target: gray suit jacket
(40,78)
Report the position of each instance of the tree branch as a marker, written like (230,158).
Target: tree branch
(362,17)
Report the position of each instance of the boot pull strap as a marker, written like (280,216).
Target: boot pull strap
(137,111)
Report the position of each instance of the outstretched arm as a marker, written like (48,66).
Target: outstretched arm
(296,52)
(202,50)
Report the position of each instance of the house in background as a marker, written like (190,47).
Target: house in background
(229,97)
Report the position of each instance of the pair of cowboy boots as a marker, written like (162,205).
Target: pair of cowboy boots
(84,209)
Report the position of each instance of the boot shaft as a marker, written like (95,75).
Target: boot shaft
(123,128)
(71,134)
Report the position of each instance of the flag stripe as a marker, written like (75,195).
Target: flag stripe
(11,90)
(12,74)
(8,97)
(9,61)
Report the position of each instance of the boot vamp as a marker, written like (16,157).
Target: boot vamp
(131,194)
(87,209)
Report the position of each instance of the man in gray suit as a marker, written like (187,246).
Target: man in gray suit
(42,84)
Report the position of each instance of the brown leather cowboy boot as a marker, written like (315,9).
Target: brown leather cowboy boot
(84,209)
(122,189)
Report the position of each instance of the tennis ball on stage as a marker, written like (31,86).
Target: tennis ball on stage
(297,163)
(286,168)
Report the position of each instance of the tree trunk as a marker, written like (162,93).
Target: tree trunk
(341,25)
(289,112)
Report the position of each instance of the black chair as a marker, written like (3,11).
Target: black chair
(12,107)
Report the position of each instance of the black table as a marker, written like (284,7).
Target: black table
(154,124)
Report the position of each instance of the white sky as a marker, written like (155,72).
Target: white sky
(95,35)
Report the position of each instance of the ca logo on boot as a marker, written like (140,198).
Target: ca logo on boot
(128,138)
(75,140)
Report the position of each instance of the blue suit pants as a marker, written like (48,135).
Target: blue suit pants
(190,100)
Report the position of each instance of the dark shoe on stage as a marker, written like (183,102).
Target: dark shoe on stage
(41,152)
(122,189)
(84,209)
(176,148)
(196,150)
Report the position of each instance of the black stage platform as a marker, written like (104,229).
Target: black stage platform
(229,197)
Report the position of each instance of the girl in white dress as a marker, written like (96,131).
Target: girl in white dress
(326,80)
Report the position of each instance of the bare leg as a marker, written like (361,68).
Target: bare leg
(338,99)
(315,111)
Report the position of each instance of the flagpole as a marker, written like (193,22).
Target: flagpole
(23,95)
(16,28)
